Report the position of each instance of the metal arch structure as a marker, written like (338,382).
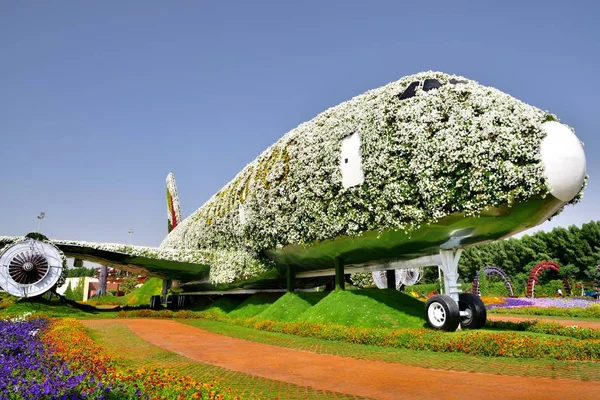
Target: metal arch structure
(493,270)
(535,273)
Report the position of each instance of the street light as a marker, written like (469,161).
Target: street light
(130,233)
(40,218)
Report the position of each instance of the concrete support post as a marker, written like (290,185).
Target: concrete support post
(390,274)
(291,278)
(166,285)
(339,274)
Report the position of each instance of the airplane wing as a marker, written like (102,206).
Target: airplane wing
(151,261)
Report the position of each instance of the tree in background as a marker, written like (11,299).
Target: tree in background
(129,284)
(77,272)
(102,278)
(78,291)
(576,249)
(69,292)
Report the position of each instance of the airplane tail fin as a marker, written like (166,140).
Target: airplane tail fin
(173,210)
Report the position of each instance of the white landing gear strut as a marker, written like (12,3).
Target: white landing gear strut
(451,310)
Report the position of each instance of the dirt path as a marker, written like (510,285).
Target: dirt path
(374,379)
(567,322)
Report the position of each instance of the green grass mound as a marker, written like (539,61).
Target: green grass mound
(225,304)
(369,308)
(254,305)
(291,306)
(51,308)
(141,296)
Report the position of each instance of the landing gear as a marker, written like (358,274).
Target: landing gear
(442,313)
(455,309)
(472,311)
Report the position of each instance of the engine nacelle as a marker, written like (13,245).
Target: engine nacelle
(30,268)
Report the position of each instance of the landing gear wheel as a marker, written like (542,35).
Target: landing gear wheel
(442,313)
(475,309)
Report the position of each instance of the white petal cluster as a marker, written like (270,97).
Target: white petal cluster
(169,254)
(459,148)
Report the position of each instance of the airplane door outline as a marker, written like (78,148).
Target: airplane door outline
(351,161)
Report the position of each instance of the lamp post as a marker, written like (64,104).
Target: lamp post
(130,232)
(40,218)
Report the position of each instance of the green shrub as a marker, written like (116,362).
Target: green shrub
(548,289)
(423,289)
(78,291)
(69,292)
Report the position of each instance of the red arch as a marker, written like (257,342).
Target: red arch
(535,273)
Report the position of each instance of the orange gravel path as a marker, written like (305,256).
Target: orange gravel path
(567,322)
(373,379)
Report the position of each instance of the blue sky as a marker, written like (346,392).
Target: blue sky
(100,100)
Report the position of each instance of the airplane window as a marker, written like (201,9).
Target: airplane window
(431,84)
(456,82)
(410,91)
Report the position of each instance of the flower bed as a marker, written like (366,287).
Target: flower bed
(28,369)
(556,307)
(544,303)
(42,358)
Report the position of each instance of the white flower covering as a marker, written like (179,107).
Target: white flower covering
(363,280)
(196,257)
(459,148)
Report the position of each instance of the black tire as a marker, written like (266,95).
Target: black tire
(473,304)
(442,312)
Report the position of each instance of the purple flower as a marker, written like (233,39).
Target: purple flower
(510,302)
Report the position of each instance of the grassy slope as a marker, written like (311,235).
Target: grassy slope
(53,308)
(255,305)
(291,306)
(141,296)
(369,309)
(225,304)
(362,308)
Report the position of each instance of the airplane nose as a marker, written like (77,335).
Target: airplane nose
(563,160)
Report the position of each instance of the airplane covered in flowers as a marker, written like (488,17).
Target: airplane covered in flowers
(403,176)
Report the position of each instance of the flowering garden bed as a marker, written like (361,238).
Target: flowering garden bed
(55,359)
(558,307)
